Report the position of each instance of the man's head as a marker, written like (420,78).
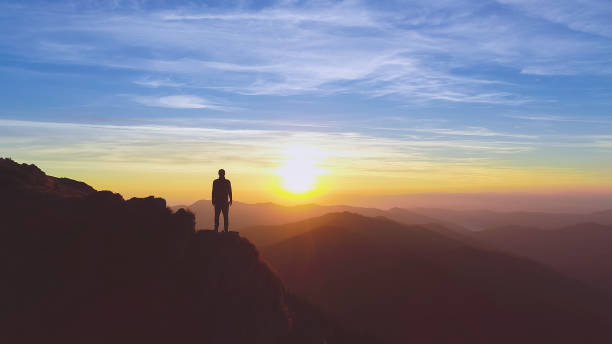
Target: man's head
(221,173)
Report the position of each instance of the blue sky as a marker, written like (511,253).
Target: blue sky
(509,85)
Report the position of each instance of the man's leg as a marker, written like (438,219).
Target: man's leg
(225,217)
(217,212)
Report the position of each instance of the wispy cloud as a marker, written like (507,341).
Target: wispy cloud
(472,131)
(589,16)
(337,14)
(183,101)
(321,47)
(155,83)
(467,131)
(554,118)
(135,141)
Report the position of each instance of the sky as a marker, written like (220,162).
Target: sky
(369,99)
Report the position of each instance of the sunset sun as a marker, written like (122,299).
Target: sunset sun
(299,172)
(298,176)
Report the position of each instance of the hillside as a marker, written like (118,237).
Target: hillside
(411,284)
(268,235)
(82,266)
(583,251)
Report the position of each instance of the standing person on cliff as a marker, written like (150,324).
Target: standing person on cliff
(222,199)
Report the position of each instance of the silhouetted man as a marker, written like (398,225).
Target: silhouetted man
(221,190)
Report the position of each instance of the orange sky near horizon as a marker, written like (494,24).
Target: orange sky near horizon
(180,186)
(180,163)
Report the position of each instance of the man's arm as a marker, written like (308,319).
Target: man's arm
(212,194)
(229,184)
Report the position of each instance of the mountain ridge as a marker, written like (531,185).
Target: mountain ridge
(383,274)
(582,251)
(29,178)
(254,214)
(460,221)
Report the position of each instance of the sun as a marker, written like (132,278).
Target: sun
(298,176)
(299,172)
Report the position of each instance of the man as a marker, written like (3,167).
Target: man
(221,190)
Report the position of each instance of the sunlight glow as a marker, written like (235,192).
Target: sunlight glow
(300,171)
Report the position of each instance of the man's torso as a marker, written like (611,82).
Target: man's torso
(221,189)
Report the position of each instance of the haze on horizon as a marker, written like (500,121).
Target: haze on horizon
(345,102)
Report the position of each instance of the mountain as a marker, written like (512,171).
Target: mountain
(455,221)
(409,284)
(263,236)
(486,219)
(583,251)
(244,214)
(86,266)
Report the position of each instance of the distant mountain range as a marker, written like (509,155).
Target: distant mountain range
(410,284)
(244,214)
(583,251)
(484,219)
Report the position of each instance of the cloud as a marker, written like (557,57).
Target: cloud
(337,14)
(588,16)
(142,144)
(156,83)
(467,131)
(554,118)
(320,47)
(183,101)
(471,131)
(422,52)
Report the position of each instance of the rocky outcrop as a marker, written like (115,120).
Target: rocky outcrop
(29,178)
